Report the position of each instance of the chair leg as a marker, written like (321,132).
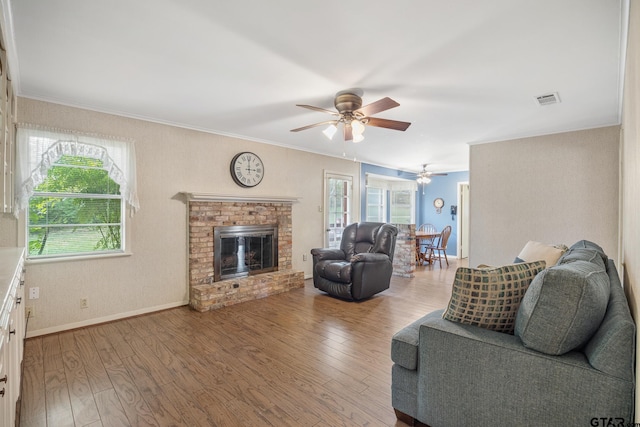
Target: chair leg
(445,258)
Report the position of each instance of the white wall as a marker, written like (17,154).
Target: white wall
(555,189)
(170,160)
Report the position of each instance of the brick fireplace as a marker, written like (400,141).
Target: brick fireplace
(208,211)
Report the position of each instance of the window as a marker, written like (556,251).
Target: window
(76,210)
(376,204)
(402,206)
(398,193)
(75,190)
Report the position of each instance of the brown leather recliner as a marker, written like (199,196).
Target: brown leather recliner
(361,267)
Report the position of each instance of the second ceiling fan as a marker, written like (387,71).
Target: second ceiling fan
(424,176)
(354,117)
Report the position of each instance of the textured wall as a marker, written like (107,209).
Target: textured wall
(630,229)
(555,189)
(170,160)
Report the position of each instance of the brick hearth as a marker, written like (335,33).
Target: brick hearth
(209,211)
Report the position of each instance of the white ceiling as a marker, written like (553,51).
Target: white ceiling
(464,71)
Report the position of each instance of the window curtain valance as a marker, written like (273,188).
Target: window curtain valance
(38,148)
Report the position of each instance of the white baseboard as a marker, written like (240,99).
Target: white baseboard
(98,320)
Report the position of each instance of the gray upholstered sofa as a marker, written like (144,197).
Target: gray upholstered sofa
(570,361)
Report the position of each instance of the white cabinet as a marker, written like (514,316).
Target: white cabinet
(12,331)
(8,104)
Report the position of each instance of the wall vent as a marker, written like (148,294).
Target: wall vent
(548,99)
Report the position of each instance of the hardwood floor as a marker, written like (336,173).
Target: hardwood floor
(300,358)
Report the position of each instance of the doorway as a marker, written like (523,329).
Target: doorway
(338,190)
(463,220)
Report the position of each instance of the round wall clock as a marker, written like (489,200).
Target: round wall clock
(438,203)
(247,169)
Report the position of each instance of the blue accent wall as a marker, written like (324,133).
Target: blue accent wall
(445,187)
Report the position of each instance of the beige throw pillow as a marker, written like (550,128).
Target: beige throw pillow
(536,251)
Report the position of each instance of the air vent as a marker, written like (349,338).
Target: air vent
(548,99)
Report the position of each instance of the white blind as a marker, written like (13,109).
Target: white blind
(403,185)
(379,181)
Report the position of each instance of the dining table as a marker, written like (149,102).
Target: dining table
(424,238)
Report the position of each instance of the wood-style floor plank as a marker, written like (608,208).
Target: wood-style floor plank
(83,404)
(301,358)
(33,390)
(111,412)
(133,404)
(58,405)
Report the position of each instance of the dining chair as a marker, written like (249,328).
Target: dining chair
(420,243)
(440,246)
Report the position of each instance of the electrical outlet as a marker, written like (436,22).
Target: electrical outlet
(30,312)
(304,257)
(34,293)
(84,303)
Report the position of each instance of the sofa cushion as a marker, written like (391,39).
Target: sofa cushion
(582,254)
(535,251)
(563,307)
(490,297)
(585,244)
(337,271)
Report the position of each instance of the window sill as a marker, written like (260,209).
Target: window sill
(76,258)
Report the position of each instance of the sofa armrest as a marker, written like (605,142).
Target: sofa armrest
(320,254)
(467,372)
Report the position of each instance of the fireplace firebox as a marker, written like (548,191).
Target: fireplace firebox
(243,250)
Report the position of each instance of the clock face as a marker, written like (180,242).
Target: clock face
(438,203)
(247,169)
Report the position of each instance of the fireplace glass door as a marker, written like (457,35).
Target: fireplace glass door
(244,250)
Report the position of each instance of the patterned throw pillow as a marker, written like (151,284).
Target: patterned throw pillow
(490,297)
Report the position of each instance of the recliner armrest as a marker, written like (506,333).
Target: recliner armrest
(321,254)
(369,257)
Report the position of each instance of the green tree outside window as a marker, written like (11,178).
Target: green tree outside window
(76,210)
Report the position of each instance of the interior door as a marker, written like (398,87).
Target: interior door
(463,219)
(338,198)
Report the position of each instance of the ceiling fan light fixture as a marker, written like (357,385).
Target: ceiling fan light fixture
(330,131)
(354,117)
(357,127)
(423,179)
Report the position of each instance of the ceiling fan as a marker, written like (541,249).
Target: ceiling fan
(424,176)
(354,117)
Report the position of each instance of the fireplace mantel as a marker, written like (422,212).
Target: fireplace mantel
(210,197)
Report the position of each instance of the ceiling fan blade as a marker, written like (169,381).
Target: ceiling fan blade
(389,124)
(348,132)
(328,122)
(377,107)
(438,174)
(322,110)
